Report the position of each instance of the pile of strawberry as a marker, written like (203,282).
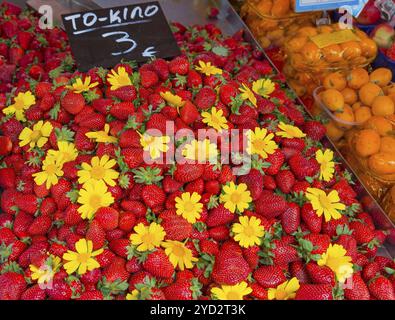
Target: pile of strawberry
(36,222)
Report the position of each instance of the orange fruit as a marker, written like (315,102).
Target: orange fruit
(333,132)
(307,31)
(350,96)
(280,8)
(333,99)
(347,115)
(296,44)
(379,124)
(381,76)
(382,163)
(311,53)
(299,89)
(392,96)
(264,7)
(362,114)
(368,92)
(390,89)
(357,78)
(366,142)
(369,48)
(332,53)
(387,144)
(325,29)
(351,50)
(383,106)
(356,106)
(335,80)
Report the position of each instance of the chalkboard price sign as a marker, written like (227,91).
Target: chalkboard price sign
(133,32)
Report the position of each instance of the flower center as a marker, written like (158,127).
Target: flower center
(249,231)
(36,134)
(281,294)
(325,203)
(51,169)
(95,201)
(83,257)
(123,80)
(259,144)
(148,238)
(178,251)
(233,295)
(189,206)
(235,197)
(19,105)
(98,173)
(324,165)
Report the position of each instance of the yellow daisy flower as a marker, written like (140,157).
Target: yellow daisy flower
(118,79)
(327,204)
(201,151)
(336,259)
(154,144)
(247,94)
(66,152)
(45,273)
(147,237)
(78,86)
(215,119)
(263,87)
(235,292)
(93,195)
(134,295)
(83,259)
(189,207)
(51,171)
(102,136)
(327,165)
(22,102)
(99,170)
(179,255)
(285,291)
(260,142)
(289,131)
(248,232)
(207,68)
(172,99)
(236,196)
(38,136)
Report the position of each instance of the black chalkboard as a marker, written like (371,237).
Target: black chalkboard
(133,32)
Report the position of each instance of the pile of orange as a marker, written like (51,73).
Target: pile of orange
(309,61)
(272,20)
(358,98)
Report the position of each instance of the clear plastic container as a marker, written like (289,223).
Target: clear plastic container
(271,21)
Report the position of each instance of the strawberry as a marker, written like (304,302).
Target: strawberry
(358,290)
(125,93)
(189,113)
(205,98)
(129,138)
(254,182)
(40,225)
(34,293)
(269,276)
(361,232)
(227,93)
(161,67)
(194,80)
(127,220)
(219,216)
(314,130)
(12,285)
(133,157)
(11,128)
(179,65)
(177,228)
(22,223)
(188,172)
(107,218)
(73,102)
(310,218)
(119,246)
(158,264)
(320,274)
(350,244)
(7,178)
(381,288)
(71,215)
(60,290)
(148,78)
(285,180)
(283,253)
(298,270)
(371,270)
(96,234)
(276,160)
(314,292)
(303,167)
(153,196)
(82,142)
(258,291)
(122,110)
(226,175)
(290,218)
(157,121)
(270,205)
(320,242)
(183,290)
(170,185)
(91,295)
(230,268)
(5,145)
(93,121)
(116,271)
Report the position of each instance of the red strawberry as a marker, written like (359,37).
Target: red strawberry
(116,271)
(125,93)
(170,185)
(285,180)
(258,291)
(91,295)
(226,175)
(303,167)
(310,218)
(314,129)
(205,98)
(183,289)
(122,110)
(148,78)
(119,246)
(320,274)
(5,145)
(158,264)
(361,232)
(371,270)
(269,276)
(276,160)
(96,234)
(129,138)
(177,228)
(270,205)
(314,292)
(189,113)
(230,268)
(254,182)
(7,178)
(358,289)
(290,219)
(381,288)
(34,293)
(107,218)
(194,79)
(71,215)
(284,253)
(73,102)
(188,172)
(298,270)
(320,242)
(133,157)
(12,285)
(93,121)
(161,67)
(153,196)
(40,225)
(179,65)
(219,216)
(226,93)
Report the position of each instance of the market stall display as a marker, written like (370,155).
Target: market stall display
(86,216)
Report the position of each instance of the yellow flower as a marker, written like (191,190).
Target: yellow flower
(288,131)
(66,152)
(92,196)
(179,255)
(102,136)
(235,292)
(81,259)
(201,151)
(38,136)
(172,99)
(99,170)
(154,144)
(236,196)
(207,68)
(248,231)
(335,258)
(247,94)
(134,295)
(22,102)
(147,237)
(78,86)
(45,273)
(118,79)
(286,290)
(263,87)
(51,171)
(260,142)
(189,207)
(327,166)
(327,204)
(215,119)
